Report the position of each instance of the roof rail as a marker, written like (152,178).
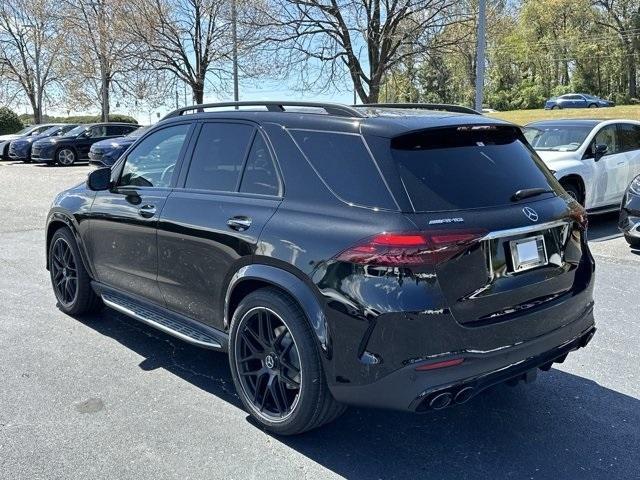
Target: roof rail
(425,106)
(273,106)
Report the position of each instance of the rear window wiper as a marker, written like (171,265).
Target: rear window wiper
(529,192)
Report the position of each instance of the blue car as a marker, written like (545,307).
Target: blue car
(577,100)
(20,149)
(107,152)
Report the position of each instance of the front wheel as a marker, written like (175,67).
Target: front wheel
(70,280)
(632,241)
(573,191)
(66,157)
(593,105)
(276,365)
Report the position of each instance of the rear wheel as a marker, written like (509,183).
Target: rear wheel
(66,157)
(276,365)
(70,280)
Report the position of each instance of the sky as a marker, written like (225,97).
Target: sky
(266,90)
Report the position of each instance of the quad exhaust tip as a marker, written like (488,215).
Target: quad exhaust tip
(464,394)
(440,401)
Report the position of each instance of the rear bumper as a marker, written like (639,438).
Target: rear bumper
(408,389)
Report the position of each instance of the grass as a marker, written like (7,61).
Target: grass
(522,117)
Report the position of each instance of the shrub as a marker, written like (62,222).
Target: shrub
(9,121)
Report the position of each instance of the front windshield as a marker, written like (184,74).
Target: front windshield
(556,138)
(138,132)
(26,130)
(74,132)
(50,131)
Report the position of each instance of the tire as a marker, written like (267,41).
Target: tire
(70,281)
(574,191)
(593,105)
(632,241)
(65,157)
(555,107)
(286,359)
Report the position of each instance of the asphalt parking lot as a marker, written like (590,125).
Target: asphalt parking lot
(107,397)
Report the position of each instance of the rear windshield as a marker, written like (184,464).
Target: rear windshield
(467,167)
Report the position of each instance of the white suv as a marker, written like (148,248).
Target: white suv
(594,160)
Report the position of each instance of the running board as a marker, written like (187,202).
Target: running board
(167,322)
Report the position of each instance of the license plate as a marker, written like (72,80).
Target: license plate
(528,253)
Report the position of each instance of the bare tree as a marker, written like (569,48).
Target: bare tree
(99,51)
(190,38)
(365,38)
(29,47)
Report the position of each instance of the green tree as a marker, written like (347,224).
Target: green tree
(9,121)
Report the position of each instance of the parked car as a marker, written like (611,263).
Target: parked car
(577,100)
(20,149)
(106,152)
(594,160)
(5,140)
(75,144)
(630,214)
(341,256)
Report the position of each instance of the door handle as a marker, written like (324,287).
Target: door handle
(239,223)
(147,211)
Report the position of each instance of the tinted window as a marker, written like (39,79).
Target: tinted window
(114,130)
(97,131)
(629,136)
(152,161)
(219,156)
(260,172)
(345,165)
(608,136)
(450,169)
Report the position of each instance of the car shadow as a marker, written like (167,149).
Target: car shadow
(562,426)
(603,227)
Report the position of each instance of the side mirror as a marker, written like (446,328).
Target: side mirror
(99,179)
(599,151)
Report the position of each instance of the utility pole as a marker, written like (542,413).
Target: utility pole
(234,35)
(480,57)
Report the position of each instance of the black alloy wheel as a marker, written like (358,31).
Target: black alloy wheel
(268,364)
(276,364)
(64,272)
(70,280)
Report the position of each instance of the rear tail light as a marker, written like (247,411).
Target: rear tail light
(411,248)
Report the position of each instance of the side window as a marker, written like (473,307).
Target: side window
(629,136)
(218,157)
(97,131)
(116,130)
(260,175)
(346,167)
(608,136)
(152,161)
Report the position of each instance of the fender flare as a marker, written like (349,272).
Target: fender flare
(61,218)
(290,283)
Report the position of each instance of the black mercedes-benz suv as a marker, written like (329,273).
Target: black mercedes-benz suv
(371,255)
